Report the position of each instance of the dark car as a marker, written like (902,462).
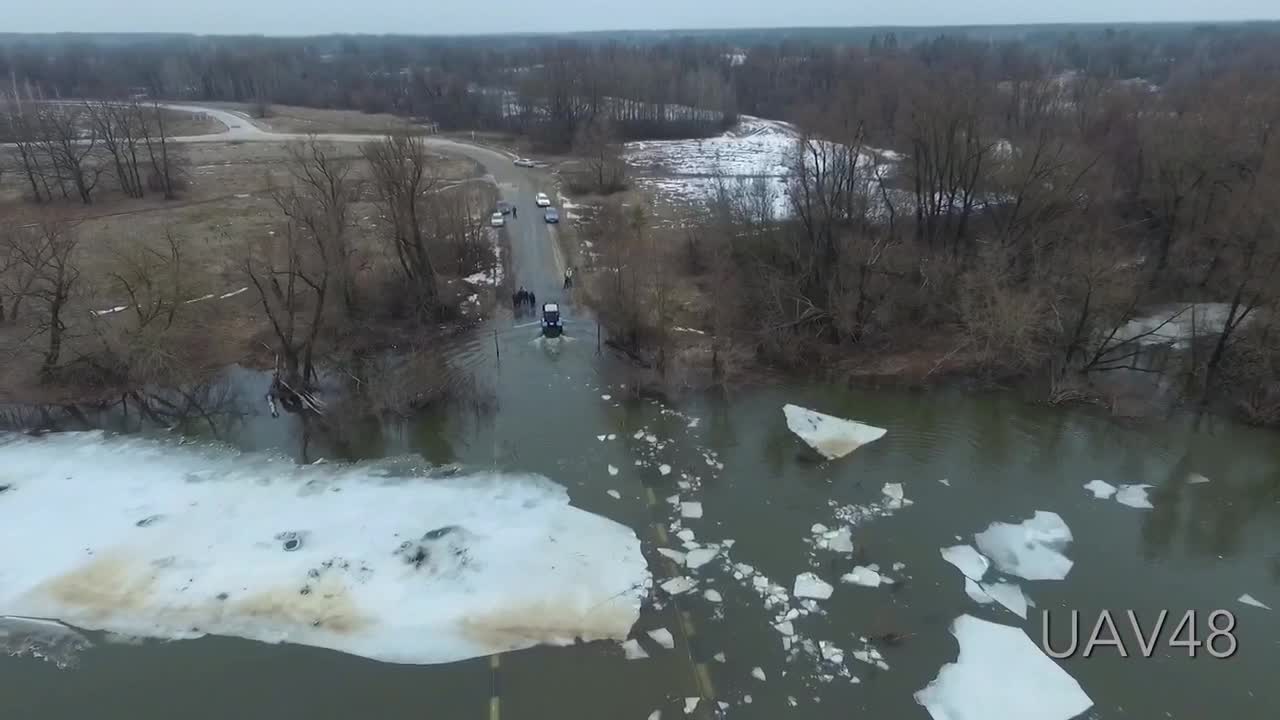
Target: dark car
(552,215)
(504,207)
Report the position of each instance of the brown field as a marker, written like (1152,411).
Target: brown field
(290,119)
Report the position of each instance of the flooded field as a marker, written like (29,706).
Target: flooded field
(741,507)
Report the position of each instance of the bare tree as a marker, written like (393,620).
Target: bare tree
(166,175)
(71,141)
(292,280)
(45,255)
(596,142)
(117,126)
(403,180)
(318,201)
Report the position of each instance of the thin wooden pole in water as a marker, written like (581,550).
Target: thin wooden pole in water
(597,337)
(497,351)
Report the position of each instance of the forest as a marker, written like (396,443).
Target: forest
(997,204)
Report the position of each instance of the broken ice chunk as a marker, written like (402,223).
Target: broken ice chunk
(691,510)
(809,585)
(863,576)
(1031,549)
(1000,673)
(685,535)
(786,628)
(746,699)
(899,566)
(976,593)
(697,558)
(945,481)
(613,470)
(674,555)
(662,636)
(719,657)
(601,437)
(818,529)
(842,542)
(1008,595)
(967,560)
(712,596)
(1196,479)
(613,436)
(678,585)
(831,436)
(893,491)
(655,715)
(633,651)
(758,674)
(665,469)
(1101,489)
(614,494)
(690,704)
(606,397)
(1248,599)
(1135,496)
(639,435)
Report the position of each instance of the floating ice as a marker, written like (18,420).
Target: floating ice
(697,558)
(976,593)
(632,650)
(1032,550)
(746,699)
(612,436)
(606,397)
(685,535)
(655,715)
(1196,479)
(674,555)
(665,469)
(1135,496)
(385,562)
(662,636)
(613,494)
(969,561)
(818,528)
(809,585)
(719,657)
(678,585)
(1008,595)
(832,437)
(841,542)
(893,491)
(1248,599)
(690,704)
(785,627)
(712,596)
(1000,675)
(44,639)
(613,470)
(691,510)
(758,674)
(601,437)
(1101,489)
(945,481)
(863,576)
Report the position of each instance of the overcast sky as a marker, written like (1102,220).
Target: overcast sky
(306,17)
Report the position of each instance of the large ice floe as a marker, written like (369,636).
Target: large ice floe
(1001,675)
(831,436)
(1031,550)
(383,560)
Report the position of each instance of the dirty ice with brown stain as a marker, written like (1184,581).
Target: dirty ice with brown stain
(153,539)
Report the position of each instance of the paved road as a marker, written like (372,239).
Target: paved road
(536,261)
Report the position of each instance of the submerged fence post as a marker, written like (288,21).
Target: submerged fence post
(497,351)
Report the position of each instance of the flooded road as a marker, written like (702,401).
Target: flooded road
(1200,547)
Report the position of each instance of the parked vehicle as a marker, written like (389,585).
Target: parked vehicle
(523,162)
(497,220)
(505,207)
(551,215)
(541,200)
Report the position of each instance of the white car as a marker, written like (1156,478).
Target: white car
(541,200)
(496,220)
(523,162)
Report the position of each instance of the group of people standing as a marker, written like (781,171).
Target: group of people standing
(523,297)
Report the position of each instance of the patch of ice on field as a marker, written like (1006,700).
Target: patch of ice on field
(168,541)
(1031,550)
(1000,674)
(831,436)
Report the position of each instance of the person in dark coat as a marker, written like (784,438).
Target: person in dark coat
(533,300)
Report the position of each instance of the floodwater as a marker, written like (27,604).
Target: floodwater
(1200,548)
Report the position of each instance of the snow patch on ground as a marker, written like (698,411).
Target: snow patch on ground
(831,436)
(1000,674)
(165,541)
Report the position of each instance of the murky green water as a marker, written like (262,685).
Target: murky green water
(1200,548)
